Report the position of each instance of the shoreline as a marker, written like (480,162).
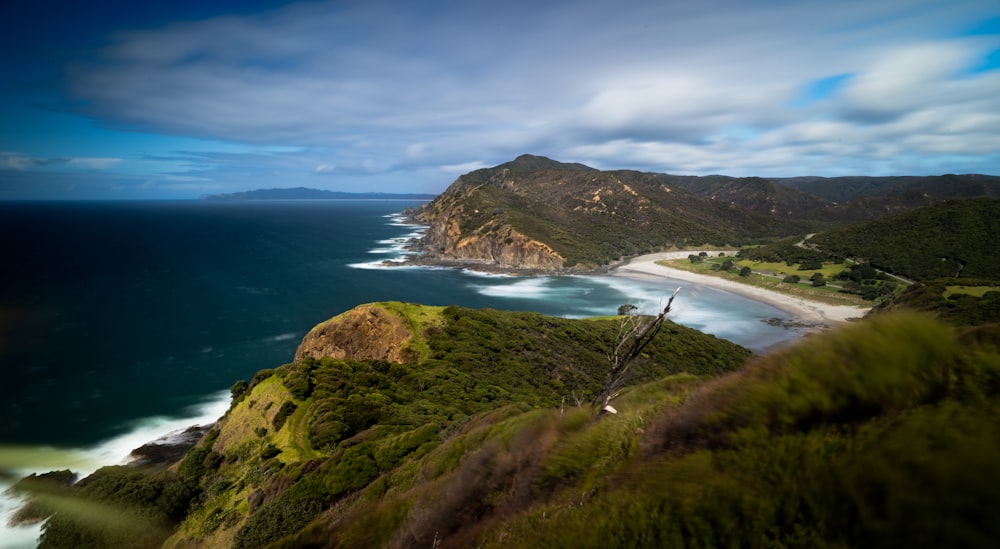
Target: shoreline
(811,313)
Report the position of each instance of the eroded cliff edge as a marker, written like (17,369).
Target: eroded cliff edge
(367,332)
(467,226)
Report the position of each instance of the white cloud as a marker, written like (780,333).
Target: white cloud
(16,161)
(93,163)
(692,87)
(465,167)
(911,78)
(21,162)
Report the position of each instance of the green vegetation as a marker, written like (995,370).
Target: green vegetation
(772,276)
(955,239)
(116,507)
(316,436)
(590,218)
(974,291)
(974,303)
(795,262)
(881,432)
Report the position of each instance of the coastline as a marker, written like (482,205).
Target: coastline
(811,313)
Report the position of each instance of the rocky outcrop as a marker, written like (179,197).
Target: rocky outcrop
(367,332)
(459,231)
(494,245)
(507,248)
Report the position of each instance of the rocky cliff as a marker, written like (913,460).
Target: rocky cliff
(465,228)
(367,332)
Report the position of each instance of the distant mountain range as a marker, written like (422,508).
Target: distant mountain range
(305,193)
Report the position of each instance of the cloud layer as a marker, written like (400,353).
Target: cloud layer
(378,87)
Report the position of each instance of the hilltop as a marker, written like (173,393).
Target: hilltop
(534,213)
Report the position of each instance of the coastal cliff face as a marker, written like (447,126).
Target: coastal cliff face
(463,231)
(367,332)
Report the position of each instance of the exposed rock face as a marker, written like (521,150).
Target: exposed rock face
(487,238)
(367,332)
(499,246)
(507,248)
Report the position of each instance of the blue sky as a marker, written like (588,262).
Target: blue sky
(175,99)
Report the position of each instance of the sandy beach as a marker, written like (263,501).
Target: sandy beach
(805,311)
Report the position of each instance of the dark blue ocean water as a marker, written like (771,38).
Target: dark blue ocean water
(120,321)
(112,311)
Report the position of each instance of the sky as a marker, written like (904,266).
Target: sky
(178,99)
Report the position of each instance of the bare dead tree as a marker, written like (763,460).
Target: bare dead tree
(634,333)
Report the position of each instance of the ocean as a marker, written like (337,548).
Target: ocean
(122,322)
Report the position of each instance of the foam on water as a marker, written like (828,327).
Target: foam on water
(21,461)
(388,264)
(283,337)
(526,288)
(393,250)
(483,274)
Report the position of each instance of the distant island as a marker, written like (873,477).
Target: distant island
(305,193)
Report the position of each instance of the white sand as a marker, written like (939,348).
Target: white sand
(802,310)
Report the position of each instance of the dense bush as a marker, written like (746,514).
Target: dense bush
(119,507)
(286,410)
(957,308)
(789,252)
(957,238)
(275,520)
(884,435)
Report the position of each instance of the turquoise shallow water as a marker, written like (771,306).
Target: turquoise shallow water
(121,322)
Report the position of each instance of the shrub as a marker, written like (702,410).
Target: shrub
(286,410)
(238,390)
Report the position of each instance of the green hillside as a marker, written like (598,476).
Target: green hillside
(534,213)
(588,217)
(882,433)
(964,302)
(956,238)
(318,435)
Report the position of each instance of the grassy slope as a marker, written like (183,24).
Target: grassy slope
(881,433)
(884,433)
(973,303)
(359,429)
